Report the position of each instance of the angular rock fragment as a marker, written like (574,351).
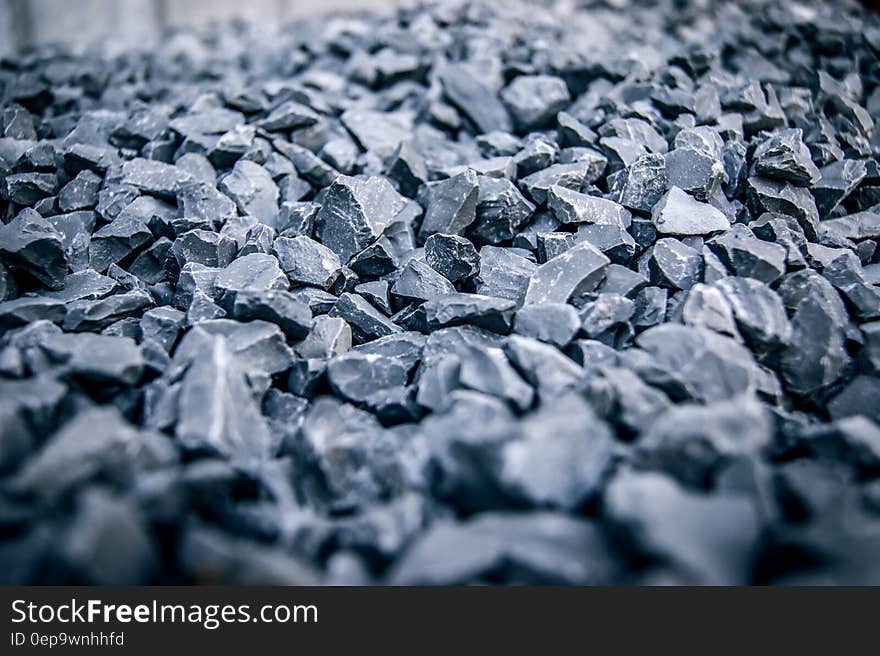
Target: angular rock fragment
(554,323)
(534,100)
(346,444)
(276,306)
(784,156)
(355,212)
(28,309)
(365,378)
(500,211)
(759,313)
(468,92)
(765,195)
(572,176)
(504,273)
(488,370)
(488,312)
(707,306)
(80,193)
(836,182)
(618,395)
(328,336)
(84,285)
(650,307)
(537,546)
(606,319)
(154,177)
(577,270)
(695,363)
(202,202)
(694,172)
(708,538)
(28,188)
(692,442)
(257,271)
(109,542)
(845,272)
(289,115)
(563,457)
(366,322)
(205,247)
(858,398)
(259,345)
(542,365)
(574,207)
(815,356)
(451,205)
(538,152)
(671,263)
(749,257)
(677,213)
(307,262)
(378,132)
(30,242)
(621,280)
(118,241)
(419,282)
(96,314)
(642,184)
(253,190)
(97,441)
(454,257)
(613,240)
(216,410)
(407,168)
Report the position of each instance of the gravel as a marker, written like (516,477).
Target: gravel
(575,293)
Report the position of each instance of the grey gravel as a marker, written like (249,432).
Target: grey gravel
(463,293)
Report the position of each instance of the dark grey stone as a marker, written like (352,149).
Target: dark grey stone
(759,313)
(694,171)
(784,156)
(677,213)
(453,256)
(562,458)
(307,262)
(257,271)
(367,323)
(500,212)
(765,195)
(451,205)
(253,190)
(81,193)
(577,270)
(32,243)
(355,212)
(534,100)
(504,273)
(708,539)
(489,312)
(419,282)
(642,184)
(277,306)
(691,442)
(216,410)
(154,177)
(746,256)
(554,323)
(671,263)
(464,88)
(837,181)
(574,207)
